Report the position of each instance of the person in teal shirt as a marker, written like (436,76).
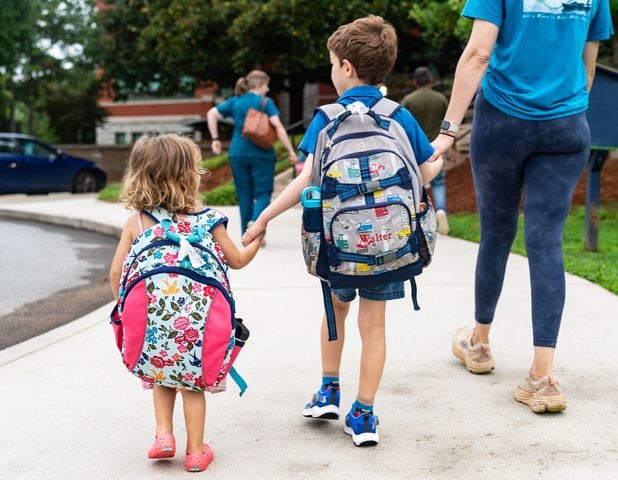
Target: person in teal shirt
(535,62)
(253,167)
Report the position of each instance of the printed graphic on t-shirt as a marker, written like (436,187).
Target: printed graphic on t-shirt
(558,9)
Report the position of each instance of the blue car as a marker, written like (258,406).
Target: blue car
(28,165)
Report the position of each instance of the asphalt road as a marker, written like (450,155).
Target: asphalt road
(49,275)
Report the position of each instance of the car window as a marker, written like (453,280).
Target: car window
(8,146)
(34,149)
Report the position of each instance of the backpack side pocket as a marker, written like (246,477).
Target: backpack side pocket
(311,227)
(134,319)
(117,327)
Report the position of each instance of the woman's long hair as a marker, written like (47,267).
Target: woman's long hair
(254,78)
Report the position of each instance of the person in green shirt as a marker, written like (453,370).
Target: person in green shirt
(429,108)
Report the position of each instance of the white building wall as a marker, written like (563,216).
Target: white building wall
(106,132)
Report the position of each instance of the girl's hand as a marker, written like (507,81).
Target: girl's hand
(216,146)
(293,158)
(256,230)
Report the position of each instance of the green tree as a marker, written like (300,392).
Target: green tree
(153,46)
(70,103)
(160,47)
(287,38)
(16,16)
(43,39)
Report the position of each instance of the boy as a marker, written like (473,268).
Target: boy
(362,53)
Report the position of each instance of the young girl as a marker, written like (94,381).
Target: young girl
(163,179)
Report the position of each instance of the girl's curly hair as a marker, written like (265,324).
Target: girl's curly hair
(163,171)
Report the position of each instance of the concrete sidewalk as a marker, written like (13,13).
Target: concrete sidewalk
(69,409)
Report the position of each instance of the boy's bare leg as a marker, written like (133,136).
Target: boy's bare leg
(331,351)
(194,405)
(371,321)
(164,399)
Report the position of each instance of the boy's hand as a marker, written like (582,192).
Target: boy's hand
(431,168)
(441,144)
(256,230)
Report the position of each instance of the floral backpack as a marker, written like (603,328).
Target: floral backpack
(174,321)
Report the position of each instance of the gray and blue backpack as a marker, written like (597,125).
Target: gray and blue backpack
(367,220)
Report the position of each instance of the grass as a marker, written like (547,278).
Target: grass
(222,195)
(111,192)
(599,267)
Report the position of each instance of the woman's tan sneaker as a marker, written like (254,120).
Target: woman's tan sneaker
(544,395)
(478,358)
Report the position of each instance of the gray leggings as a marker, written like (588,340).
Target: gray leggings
(545,159)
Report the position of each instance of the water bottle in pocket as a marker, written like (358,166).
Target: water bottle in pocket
(312,226)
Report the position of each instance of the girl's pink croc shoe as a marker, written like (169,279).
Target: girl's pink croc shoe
(164,446)
(197,462)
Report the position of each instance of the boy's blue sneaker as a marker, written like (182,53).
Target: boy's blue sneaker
(324,404)
(363,427)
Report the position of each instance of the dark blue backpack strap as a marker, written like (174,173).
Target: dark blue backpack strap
(414,294)
(150,215)
(330,311)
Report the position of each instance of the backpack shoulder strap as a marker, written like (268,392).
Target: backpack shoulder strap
(151,216)
(386,107)
(331,110)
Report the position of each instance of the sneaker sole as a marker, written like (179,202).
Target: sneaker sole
(541,403)
(474,367)
(364,439)
(328,412)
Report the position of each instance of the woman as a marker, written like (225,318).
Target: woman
(253,168)
(536,61)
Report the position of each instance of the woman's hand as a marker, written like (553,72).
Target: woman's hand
(293,157)
(441,144)
(215,145)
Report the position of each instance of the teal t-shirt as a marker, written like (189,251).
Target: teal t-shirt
(536,71)
(236,107)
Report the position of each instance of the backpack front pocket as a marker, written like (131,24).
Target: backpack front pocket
(177,328)
(380,233)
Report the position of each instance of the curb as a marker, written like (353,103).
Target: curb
(56,335)
(76,223)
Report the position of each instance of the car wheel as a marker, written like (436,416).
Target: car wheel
(85,182)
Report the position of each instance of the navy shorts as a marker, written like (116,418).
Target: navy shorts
(390,291)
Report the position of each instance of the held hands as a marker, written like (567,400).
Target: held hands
(441,144)
(216,146)
(257,230)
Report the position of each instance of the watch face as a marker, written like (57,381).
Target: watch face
(445,125)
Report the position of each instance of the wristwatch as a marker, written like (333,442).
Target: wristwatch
(449,128)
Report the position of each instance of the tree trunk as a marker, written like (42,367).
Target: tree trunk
(12,125)
(30,105)
(296,89)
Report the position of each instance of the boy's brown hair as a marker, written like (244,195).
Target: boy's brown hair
(368,43)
